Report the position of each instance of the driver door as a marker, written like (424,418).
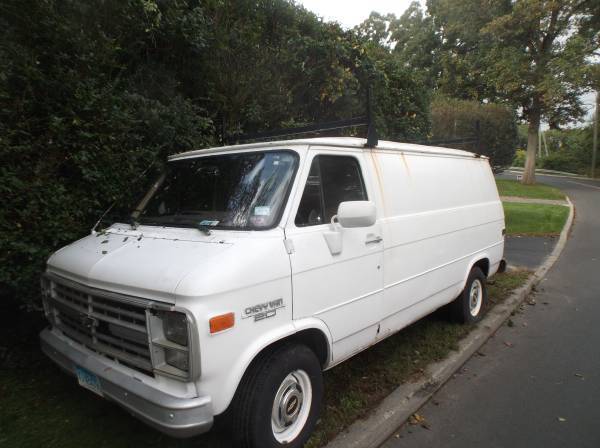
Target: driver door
(342,289)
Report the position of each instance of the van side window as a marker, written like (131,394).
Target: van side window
(331,180)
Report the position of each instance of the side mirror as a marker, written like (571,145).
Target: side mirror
(357,214)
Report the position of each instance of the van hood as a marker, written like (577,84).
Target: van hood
(146,262)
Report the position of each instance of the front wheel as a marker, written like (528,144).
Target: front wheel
(469,306)
(279,399)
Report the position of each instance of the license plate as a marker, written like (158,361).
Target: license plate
(88,380)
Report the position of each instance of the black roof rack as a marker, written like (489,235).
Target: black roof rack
(368,121)
(474,139)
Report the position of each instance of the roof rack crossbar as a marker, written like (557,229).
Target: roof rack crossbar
(445,141)
(320,127)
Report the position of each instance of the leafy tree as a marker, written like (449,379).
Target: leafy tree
(538,61)
(461,49)
(417,43)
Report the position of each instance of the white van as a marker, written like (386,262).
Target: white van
(250,269)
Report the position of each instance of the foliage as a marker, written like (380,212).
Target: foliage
(453,118)
(417,43)
(92,93)
(519,159)
(569,150)
(534,55)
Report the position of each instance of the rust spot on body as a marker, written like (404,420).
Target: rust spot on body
(405,162)
(379,178)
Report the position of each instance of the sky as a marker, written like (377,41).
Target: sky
(350,13)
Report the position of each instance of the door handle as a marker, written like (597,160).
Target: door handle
(373,239)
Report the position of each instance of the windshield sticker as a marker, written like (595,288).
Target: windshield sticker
(263,210)
(207,222)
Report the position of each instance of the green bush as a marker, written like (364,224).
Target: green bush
(451,118)
(561,161)
(570,150)
(92,93)
(520,157)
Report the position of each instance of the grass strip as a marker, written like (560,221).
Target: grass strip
(534,219)
(515,188)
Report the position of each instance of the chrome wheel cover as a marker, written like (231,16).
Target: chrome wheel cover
(475,297)
(291,406)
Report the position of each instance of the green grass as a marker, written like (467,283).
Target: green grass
(42,406)
(534,219)
(538,191)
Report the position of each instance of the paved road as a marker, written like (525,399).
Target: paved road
(535,383)
(528,251)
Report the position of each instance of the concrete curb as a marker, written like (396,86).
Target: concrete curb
(408,398)
(554,174)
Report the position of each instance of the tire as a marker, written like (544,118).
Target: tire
(290,376)
(470,305)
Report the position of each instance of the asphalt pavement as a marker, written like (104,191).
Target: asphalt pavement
(528,251)
(536,383)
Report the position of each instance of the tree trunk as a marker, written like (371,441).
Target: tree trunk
(532,143)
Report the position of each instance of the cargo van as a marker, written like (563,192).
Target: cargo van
(248,270)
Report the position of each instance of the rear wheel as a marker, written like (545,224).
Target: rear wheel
(470,304)
(279,399)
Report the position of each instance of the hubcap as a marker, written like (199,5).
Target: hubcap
(291,406)
(475,297)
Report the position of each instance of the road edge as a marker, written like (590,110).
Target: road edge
(408,398)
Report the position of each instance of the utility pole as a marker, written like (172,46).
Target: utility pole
(595,143)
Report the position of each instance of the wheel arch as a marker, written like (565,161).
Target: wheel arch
(482,261)
(311,332)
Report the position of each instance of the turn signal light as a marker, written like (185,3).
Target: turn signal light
(221,322)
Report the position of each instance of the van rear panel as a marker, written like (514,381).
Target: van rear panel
(441,214)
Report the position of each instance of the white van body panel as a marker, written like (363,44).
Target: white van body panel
(441,215)
(438,213)
(323,285)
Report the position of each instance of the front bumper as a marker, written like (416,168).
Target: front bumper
(175,416)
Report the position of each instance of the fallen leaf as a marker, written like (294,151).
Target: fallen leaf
(416,419)
(508,344)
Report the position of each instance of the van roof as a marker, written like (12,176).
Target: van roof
(333,142)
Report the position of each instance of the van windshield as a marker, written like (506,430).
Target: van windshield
(235,191)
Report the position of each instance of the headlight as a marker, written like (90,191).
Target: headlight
(171,354)
(177,359)
(175,327)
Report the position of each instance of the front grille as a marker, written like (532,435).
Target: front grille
(109,325)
